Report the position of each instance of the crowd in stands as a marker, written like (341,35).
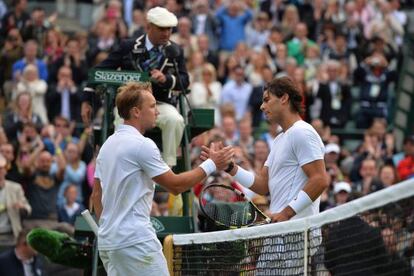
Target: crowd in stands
(338,52)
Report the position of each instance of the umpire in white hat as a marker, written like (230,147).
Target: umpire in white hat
(146,54)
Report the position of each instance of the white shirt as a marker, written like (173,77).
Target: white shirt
(125,166)
(292,149)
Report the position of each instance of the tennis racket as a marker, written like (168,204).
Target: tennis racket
(229,207)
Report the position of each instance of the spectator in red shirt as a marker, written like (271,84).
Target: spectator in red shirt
(405,167)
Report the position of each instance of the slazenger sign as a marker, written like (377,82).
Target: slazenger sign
(116,77)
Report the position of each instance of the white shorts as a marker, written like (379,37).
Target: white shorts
(144,258)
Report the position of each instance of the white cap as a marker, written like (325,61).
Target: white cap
(342,186)
(162,17)
(332,147)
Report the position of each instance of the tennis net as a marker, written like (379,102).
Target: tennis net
(372,235)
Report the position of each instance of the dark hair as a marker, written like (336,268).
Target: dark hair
(276,29)
(285,85)
(129,96)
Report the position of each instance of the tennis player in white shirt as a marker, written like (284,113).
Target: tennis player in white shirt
(123,189)
(294,174)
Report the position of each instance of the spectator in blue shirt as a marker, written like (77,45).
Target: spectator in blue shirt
(30,51)
(233,20)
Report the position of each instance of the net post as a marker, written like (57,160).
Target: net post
(305,252)
(169,252)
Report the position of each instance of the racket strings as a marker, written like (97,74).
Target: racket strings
(231,213)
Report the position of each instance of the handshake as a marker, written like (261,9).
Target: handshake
(217,157)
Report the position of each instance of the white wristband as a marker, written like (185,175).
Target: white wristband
(208,166)
(244,177)
(299,203)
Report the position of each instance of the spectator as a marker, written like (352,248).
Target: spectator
(246,140)
(253,71)
(104,42)
(137,26)
(36,29)
(13,206)
(274,39)
(368,172)
(255,100)
(374,79)
(346,251)
(229,127)
(16,17)
(342,193)
(75,173)
(233,20)
(261,151)
(184,37)
(290,19)
(195,64)
(30,52)
(205,23)
(298,44)
(388,175)
(406,166)
(211,56)
(237,92)
(62,132)
(42,190)
(64,99)
(257,35)
(13,173)
(335,97)
(206,93)
(21,258)
(73,58)
(22,113)
(11,51)
(53,46)
(71,208)
(36,87)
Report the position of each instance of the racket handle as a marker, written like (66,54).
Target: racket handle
(90,221)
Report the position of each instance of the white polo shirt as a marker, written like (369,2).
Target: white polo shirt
(125,166)
(292,149)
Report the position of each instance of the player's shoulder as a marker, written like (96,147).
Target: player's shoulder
(302,127)
(302,130)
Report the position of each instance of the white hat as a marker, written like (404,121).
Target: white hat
(332,147)
(342,186)
(162,17)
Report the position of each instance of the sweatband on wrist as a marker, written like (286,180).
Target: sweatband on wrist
(243,177)
(208,166)
(299,203)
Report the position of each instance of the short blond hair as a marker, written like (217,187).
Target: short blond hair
(130,95)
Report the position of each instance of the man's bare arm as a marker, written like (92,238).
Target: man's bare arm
(96,198)
(178,183)
(316,184)
(261,180)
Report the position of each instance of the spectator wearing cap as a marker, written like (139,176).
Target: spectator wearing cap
(342,192)
(405,167)
(332,152)
(146,54)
